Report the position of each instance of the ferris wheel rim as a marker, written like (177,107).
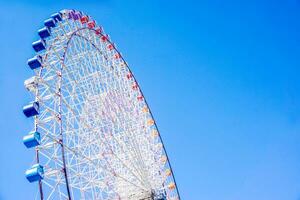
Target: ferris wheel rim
(126,65)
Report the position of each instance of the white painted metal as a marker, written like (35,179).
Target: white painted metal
(112,147)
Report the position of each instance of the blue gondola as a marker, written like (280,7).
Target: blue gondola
(39,45)
(49,22)
(44,32)
(35,62)
(33,139)
(35,173)
(57,17)
(31,109)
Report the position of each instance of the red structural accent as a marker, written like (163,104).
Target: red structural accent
(135,86)
(140,98)
(117,56)
(129,76)
(91,24)
(98,31)
(104,38)
(84,19)
(110,47)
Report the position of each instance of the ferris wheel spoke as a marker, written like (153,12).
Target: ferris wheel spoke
(112,136)
(76,153)
(74,113)
(108,170)
(120,160)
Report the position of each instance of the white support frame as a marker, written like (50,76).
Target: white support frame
(92,107)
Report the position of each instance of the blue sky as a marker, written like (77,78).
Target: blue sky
(221,78)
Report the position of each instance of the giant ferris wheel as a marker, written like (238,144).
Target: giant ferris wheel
(94,136)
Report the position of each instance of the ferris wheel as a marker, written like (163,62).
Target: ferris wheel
(94,136)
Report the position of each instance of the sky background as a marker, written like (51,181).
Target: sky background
(221,78)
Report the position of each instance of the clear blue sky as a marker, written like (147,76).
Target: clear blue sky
(221,77)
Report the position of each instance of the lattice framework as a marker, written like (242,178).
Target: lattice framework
(98,137)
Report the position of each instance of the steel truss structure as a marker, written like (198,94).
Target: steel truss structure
(98,139)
